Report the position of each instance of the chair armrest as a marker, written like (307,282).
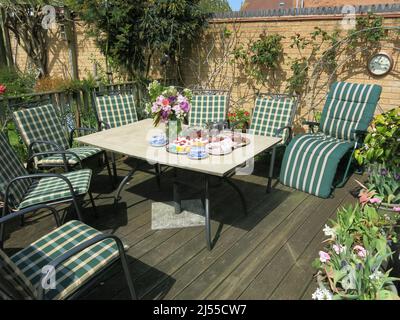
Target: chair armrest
(34,176)
(79,248)
(289,128)
(77,130)
(23,212)
(311,125)
(104,125)
(62,152)
(38,142)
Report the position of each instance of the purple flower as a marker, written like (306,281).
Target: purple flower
(172,99)
(384,172)
(185,106)
(397,176)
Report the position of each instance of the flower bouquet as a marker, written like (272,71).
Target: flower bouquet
(167,103)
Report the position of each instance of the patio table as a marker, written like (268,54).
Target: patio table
(133,140)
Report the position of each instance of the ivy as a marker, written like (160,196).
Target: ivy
(261,58)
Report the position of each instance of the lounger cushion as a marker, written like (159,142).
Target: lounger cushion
(271,114)
(349,107)
(43,124)
(76,271)
(54,189)
(310,163)
(207,108)
(57,160)
(14,285)
(116,110)
(10,168)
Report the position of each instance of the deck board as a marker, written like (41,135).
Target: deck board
(264,255)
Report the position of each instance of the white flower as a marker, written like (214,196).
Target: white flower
(376,276)
(329,232)
(322,294)
(338,248)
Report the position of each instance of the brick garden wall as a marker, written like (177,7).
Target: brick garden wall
(208,62)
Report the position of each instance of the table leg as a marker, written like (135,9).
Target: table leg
(177,199)
(123,183)
(207,213)
(271,170)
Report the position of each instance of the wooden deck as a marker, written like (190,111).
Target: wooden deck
(264,255)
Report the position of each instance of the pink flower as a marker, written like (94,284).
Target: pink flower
(396,209)
(160,100)
(338,248)
(3,89)
(324,257)
(165,102)
(375,200)
(361,252)
(155,108)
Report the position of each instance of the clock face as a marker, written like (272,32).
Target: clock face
(380,64)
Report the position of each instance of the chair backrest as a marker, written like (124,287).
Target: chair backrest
(116,109)
(207,107)
(10,168)
(273,112)
(41,123)
(349,107)
(14,285)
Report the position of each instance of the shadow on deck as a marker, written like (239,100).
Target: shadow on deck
(265,255)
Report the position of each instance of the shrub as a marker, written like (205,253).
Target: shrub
(382,144)
(17,83)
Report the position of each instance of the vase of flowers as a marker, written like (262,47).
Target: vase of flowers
(169,106)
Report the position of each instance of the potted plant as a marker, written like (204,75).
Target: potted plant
(354,262)
(239,118)
(169,106)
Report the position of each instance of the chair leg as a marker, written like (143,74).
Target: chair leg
(78,207)
(346,173)
(112,180)
(93,204)
(128,277)
(271,170)
(114,167)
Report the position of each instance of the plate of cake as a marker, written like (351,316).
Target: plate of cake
(220,148)
(179,146)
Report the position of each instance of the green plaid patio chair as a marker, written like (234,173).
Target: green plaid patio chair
(61,265)
(273,116)
(116,108)
(208,106)
(20,190)
(46,140)
(311,160)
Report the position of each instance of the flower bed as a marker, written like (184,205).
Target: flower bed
(354,262)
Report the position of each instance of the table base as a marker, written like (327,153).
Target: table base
(163,215)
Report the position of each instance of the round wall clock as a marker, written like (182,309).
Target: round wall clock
(380,64)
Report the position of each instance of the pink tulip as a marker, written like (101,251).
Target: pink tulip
(396,209)
(324,257)
(361,252)
(339,248)
(3,89)
(375,200)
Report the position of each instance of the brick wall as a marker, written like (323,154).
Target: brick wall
(208,63)
(248,29)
